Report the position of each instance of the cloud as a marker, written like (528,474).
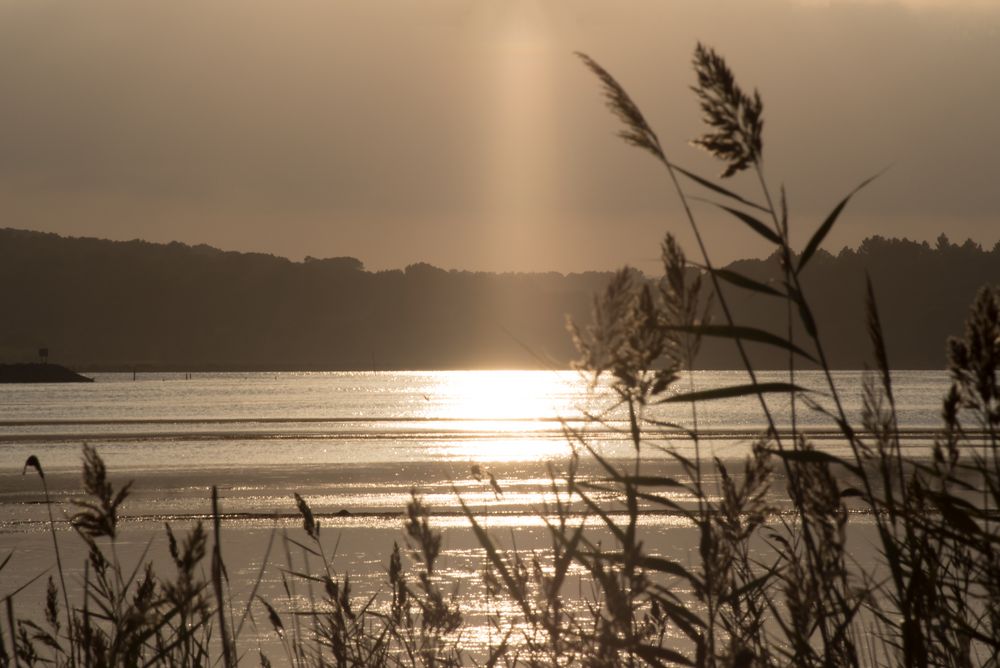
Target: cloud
(466,134)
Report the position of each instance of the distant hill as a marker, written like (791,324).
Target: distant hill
(923,294)
(112,305)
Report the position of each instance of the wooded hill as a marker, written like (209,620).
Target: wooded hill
(100,304)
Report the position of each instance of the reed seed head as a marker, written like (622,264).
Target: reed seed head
(637,131)
(736,118)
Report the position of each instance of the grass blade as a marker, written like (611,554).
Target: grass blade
(494,557)
(746,283)
(661,565)
(256,584)
(824,229)
(13,632)
(756,225)
(227,650)
(654,655)
(655,481)
(734,391)
(815,457)
(717,188)
(742,332)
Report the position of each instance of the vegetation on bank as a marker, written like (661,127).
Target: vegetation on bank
(37,372)
(103,305)
(763,589)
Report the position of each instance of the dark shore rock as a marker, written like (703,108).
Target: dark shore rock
(39,373)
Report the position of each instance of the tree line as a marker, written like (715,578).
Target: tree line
(99,304)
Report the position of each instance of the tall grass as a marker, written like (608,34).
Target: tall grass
(764,588)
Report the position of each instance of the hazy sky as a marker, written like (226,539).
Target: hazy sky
(467,135)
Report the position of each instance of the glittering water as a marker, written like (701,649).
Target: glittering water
(355,445)
(360,441)
(260,419)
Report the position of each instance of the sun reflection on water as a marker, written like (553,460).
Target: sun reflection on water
(513,413)
(506,395)
(505,450)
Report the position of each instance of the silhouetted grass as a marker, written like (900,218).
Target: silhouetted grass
(764,588)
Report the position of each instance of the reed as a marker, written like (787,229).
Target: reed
(765,587)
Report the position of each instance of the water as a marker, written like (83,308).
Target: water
(165,420)
(355,445)
(361,440)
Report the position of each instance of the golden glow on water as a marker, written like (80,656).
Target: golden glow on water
(505,395)
(505,450)
(510,408)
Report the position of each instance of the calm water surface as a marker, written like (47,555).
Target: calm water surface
(361,440)
(166,421)
(356,442)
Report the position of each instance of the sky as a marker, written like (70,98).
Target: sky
(466,134)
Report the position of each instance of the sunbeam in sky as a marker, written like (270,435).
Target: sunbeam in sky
(468,132)
(519,160)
